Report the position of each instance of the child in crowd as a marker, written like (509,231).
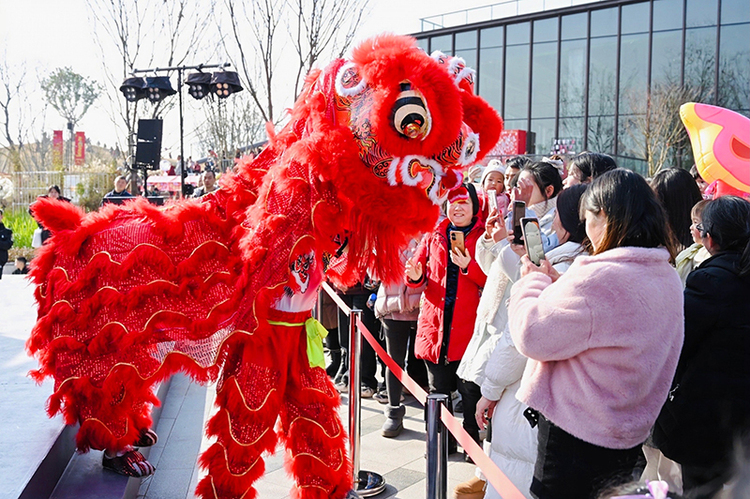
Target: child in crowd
(493,184)
(695,254)
(21,265)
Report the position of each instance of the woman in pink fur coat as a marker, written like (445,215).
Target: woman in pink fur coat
(603,341)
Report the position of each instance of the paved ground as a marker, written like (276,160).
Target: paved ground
(180,428)
(30,433)
(187,406)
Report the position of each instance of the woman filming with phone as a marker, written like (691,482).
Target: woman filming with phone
(445,262)
(603,341)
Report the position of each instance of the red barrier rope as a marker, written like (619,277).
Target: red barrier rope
(497,478)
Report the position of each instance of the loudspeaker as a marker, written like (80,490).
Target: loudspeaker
(148,147)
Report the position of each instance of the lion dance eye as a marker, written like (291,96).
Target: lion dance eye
(410,114)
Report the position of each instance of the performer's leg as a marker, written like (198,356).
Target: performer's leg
(248,397)
(313,433)
(111,417)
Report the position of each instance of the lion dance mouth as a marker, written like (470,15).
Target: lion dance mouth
(411,143)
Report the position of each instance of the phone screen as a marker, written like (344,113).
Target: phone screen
(492,199)
(457,240)
(532,240)
(519,211)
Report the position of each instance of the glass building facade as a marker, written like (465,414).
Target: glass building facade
(598,74)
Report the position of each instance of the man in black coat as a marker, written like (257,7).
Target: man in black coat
(6,241)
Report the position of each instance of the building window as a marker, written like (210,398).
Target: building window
(635,18)
(667,14)
(604,22)
(701,13)
(443,43)
(734,68)
(735,11)
(490,70)
(666,58)
(574,26)
(466,47)
(516,99)
(544,69)
(700,63)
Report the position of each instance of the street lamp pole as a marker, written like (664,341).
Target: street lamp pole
(180,69)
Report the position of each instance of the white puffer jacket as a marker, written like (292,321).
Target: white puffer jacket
(502,267)
(514,441)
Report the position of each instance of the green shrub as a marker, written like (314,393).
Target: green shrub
(22,225)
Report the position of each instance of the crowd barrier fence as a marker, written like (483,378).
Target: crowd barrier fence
(492,473)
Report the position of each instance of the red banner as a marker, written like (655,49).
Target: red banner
(511,142)
(57,148)
(80,148)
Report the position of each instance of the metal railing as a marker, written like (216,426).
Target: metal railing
(500,10)
(27,186)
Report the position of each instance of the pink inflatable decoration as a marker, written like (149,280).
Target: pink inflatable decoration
(721,146)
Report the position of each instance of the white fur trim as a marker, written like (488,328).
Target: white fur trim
(455,61)
(465,73)
(348,92)
(465,160)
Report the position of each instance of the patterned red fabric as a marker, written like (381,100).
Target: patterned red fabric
(131,294)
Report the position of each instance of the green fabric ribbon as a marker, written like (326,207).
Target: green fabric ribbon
(315,334)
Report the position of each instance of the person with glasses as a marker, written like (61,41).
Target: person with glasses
(706,419)
(692,256)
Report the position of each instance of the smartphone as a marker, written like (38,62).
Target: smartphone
(519,211)
(492,199)
(532,240)
(457,241)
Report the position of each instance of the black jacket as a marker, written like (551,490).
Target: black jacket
(6,241)
(709,406)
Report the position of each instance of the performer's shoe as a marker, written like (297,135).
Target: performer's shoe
(147,439)
(129,463)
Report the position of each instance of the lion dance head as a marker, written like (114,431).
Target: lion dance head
(393,129)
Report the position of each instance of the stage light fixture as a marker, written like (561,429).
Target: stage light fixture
(225,83)
(198,84)
(158,87)
(133,89)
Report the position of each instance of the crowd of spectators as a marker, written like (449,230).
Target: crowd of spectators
(621,358)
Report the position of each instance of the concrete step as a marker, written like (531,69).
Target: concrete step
(84,477)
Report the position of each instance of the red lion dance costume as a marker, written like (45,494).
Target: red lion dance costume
(222,288)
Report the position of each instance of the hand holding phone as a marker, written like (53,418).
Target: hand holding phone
(492,200)
(532,240)
(457,241)
(519,212)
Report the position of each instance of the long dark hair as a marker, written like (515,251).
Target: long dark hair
(544,175)
(593,164)
(568,203)
(727,220)
(678,193)
(634,215)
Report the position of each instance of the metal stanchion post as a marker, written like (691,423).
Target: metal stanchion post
(437,448)
(366,483)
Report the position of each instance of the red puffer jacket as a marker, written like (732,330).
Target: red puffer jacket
(432,253)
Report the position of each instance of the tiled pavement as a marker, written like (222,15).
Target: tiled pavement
(187,406)
(180,428)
